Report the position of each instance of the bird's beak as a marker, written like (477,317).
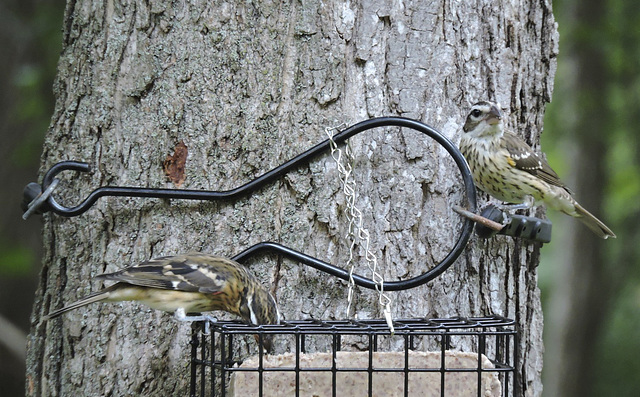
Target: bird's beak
(495,115)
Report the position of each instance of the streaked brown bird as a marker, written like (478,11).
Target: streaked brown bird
(504,166)
(191,283)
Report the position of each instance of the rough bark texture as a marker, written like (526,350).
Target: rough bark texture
(246,87)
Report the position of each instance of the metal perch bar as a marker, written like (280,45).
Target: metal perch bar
(478,219)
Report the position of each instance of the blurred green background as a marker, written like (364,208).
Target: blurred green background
(30,43)
(591,302)
(591,291)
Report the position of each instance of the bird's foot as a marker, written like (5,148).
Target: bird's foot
(508,208)
(180,315)
(514,207)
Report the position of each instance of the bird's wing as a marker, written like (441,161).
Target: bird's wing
(522,157)
(191,273)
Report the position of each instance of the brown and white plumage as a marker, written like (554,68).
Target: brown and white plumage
(191,283)
(507,168)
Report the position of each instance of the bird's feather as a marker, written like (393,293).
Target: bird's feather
(523,157)
(190,273)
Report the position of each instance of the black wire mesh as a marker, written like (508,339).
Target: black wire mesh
(229,356)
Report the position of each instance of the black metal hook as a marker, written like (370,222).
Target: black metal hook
(32,191)
(51,204)
(343,274)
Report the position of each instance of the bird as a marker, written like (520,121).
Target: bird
(189,283)
(506,167)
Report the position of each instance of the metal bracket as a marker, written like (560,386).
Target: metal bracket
(304,158)
(40,199)
(50,204)
(268,246)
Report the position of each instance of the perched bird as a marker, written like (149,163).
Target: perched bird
(191,283)
(504,166)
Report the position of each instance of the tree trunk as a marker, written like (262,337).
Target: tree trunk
(246,87)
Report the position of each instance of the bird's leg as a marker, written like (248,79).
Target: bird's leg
(180,315)
(507,208)
(525,205)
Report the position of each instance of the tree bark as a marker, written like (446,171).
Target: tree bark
(246,87)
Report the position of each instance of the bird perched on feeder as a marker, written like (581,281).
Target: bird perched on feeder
(192,283)
(504,166)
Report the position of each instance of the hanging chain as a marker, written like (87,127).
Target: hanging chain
(357,233)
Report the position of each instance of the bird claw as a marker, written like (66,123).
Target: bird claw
(525,205)
(180,315)
(514,207)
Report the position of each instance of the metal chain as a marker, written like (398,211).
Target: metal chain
(356,232)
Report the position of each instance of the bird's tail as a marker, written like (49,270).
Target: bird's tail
(91,298)
(593,223)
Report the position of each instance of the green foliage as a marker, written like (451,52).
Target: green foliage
(15,260)
(618,40)
(618,365)
(30,110)
(33,107)
(625,178)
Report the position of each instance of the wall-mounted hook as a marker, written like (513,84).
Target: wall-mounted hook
(50,204)
(36,201)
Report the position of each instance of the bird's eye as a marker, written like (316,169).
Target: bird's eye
(476,113)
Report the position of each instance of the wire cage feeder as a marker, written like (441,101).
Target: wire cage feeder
(427,357)
(426,361)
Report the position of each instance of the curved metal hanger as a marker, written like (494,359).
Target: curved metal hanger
(54,206)
(33,193)
(268,246)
